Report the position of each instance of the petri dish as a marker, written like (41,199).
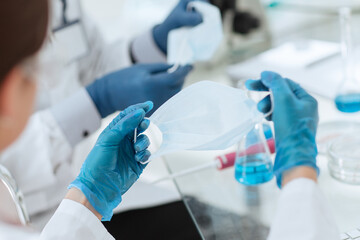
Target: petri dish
(344,158)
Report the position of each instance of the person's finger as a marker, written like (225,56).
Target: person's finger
(142,156)
(264,105)
(147,106)
(175,79)
(155,67)
(143,125)
(256,85)
(190,18)
(278,85)
(142,143)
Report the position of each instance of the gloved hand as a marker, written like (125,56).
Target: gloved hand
(135,84)
(113,165)
(179,17)
(295,117)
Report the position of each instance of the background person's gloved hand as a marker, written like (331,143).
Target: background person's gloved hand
(295,118)
(139,83)
(179,17)
(113,165)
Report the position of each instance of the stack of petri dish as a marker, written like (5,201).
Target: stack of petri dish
(344,158)
(340,142)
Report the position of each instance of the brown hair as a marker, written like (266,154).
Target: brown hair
(23,28)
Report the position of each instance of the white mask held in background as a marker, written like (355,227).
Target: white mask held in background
(191,44)
(204,116)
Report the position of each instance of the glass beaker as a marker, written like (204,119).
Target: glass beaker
(253,164)
(348,97)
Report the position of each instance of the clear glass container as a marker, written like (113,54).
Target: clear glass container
(253,164)
(344,158)
(329,131)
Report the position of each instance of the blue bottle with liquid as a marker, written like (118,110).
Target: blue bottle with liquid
(253,163)
(348,103)
(348,97)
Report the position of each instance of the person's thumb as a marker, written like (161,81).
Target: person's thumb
(191,19)
(277,85)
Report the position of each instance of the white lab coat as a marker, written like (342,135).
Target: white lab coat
(302,214)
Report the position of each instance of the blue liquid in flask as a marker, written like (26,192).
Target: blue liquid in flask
(253,169)
(348,103)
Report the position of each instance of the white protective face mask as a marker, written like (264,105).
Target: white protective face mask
(204,116)
(191,44)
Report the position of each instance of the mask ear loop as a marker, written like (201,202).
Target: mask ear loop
(136,133)
(190,7)
(271,106)
(247,92)
(264,140)
(261,128)
(174,68)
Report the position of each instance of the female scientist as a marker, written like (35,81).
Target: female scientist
(112,166)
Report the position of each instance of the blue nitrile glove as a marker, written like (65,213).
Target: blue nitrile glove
(295,118)
(179,17)
(135,84)
(113,165)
